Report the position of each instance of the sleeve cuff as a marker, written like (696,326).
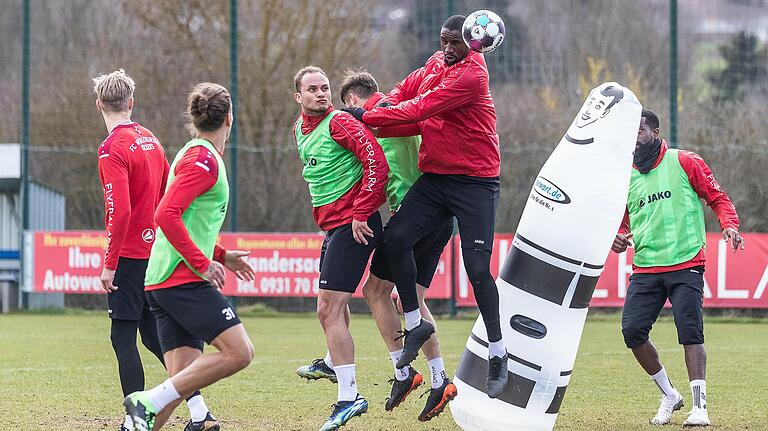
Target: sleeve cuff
(219,254)
(204,267)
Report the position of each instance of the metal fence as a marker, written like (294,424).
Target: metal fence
(700,64)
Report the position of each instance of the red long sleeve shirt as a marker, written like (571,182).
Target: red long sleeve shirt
(390,131)
(359,202)
(705,185)
(455,112)
(133,172)
(194,175)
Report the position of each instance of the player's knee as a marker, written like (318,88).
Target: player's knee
(635,335)
(123,338)
(399,237)
(242,355)
(328,312)
(118,342)
(477,266)
(477,272)
(376,289)
(690,335)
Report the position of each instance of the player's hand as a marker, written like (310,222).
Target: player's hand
(235,261)
(732,235)
(360,230)
(215,274)
(621,242)
(107,278)
(356,112)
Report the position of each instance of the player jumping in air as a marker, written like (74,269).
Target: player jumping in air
(459,157)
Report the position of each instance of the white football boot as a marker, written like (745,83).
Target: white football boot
(668,405)
(698,417)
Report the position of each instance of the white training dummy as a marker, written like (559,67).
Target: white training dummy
(562,241)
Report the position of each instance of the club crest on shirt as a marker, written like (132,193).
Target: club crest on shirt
(148,235)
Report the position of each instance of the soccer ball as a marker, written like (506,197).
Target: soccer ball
(483,31)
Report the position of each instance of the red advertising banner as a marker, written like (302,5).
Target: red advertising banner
(731,280)
(65,262)
(286,264)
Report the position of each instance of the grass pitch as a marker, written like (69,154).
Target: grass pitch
(59,372)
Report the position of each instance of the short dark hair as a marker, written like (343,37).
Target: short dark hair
(454,22)
(651,119)
(612,91)
(360,82)
(303,71)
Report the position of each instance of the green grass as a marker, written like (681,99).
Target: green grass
(59,372)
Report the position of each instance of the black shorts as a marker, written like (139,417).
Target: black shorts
(190,314)
(343,260)
(426,251)
(128,301)
(646,296)
(434,198)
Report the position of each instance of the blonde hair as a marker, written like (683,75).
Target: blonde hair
(114,90)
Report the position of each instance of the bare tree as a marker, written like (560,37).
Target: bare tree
(277,39)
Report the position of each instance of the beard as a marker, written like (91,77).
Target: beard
(318,110)
(646,154)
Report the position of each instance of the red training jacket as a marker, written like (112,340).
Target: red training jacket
(133,172)
(190,180)
(455,112)
(391,131)
(359,202)
(705,185)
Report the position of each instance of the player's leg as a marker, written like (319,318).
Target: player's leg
(428,251)
(130,369)
(686,294)
(646,296)
(125,310)
(378,294)
(193,312)
(321,368)
(421,212)
(235,352)
(200,417)
(176,360)
(343,266)
(473,201)
(150,338)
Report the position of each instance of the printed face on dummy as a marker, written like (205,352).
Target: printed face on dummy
(453,46)
(597,106)
(315,94)
(594,109)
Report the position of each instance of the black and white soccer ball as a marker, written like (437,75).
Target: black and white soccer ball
(483,31)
